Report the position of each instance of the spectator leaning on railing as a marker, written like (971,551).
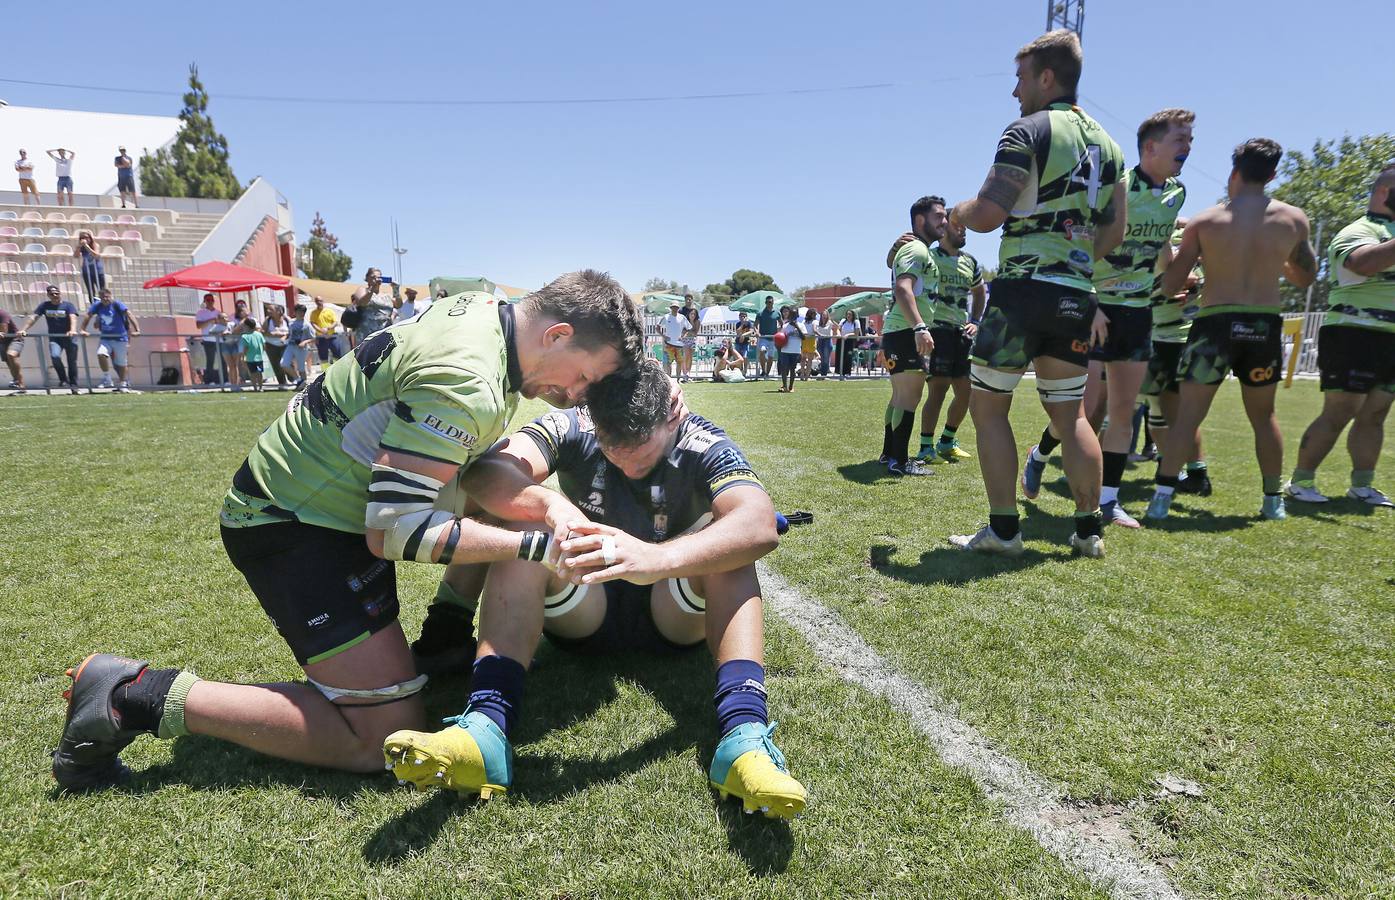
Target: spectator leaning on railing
(206,318)
(276,329)
(12,348)
(850,330)
(299,339)
(116,327)
(61,318)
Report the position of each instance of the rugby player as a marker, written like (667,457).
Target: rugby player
(680,521)
(1356,351)
(337,489)
(906,340)
(1171,324)
(1249,242)
(1125,278)
(1057,189)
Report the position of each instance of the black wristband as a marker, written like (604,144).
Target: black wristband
(533,546)
(921,327)
(448,551)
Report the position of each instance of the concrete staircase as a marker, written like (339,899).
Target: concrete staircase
(178,241)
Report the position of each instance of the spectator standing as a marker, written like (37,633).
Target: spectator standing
(116,327)
(809,345)
(823,334)
(252,350)
(850,331)
(276,329)
(61,318)
(24,168)
(206,318)
(12,348)
(299,339)
(767,323)
(89,255)
(690,339)
(63,168)
(410,307)
(789,354)
(325,321)
(745,333)
(675,327)
(126,178)
(230,345)
(374,311)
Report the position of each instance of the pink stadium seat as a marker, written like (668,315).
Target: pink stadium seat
(39,287)
(113,251)
(8,231)
(125,219)
(107,234)
(9,267)
(40,249)
(131,235)
(61,250)
(79,217)
(58,232)
(62,268)
(37,268)
(9,248)
(31,216)
(11,287)
(56,217)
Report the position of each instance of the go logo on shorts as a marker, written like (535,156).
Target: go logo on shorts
(1261,374)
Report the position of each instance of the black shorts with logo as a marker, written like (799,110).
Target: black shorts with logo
(950,358)
(628,625)
(1356,360)
(1027,319)
(901,355)
(1162,368)
(322,588)
(1246,343)
(1130,334)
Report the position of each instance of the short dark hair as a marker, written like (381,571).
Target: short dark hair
(1159,123)
(300,308)
(598,309)
(922,206)
(1257,159)
(1386,177)
(250,323)
(1058,51)
(628,405)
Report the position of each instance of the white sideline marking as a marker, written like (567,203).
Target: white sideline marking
(1107,856)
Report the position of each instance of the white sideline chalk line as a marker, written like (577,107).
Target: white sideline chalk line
(1030,801)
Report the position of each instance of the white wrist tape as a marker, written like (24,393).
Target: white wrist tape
(393,493)
(415,535)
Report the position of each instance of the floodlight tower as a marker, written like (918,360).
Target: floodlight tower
(1066,14)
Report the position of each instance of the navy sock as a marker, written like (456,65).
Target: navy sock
(496,689)
(1048,442)
(740,695)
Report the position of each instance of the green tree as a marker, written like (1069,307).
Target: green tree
(666,286)
(1332,184)
(196,165)
(320,255)
(741,282)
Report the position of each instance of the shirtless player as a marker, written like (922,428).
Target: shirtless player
(1249,242)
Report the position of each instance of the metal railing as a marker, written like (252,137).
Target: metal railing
(124,275)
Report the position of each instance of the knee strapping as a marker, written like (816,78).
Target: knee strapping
(1061,390)
(688,600)
(390,694)
(982,378)
(568,599)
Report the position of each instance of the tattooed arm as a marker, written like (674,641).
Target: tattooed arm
(1302,266)
(995,200)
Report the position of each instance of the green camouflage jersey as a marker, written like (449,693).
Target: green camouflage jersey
(1072,165)
(1127,274)
(1362,301)
(441,386)
(913,259)
(1172,319)
(959,275)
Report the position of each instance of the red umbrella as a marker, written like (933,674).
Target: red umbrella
(219,278)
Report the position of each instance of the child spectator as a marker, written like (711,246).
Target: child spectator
(252,347)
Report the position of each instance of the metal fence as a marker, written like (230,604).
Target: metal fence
(21,292)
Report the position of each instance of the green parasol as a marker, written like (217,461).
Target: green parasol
(754,302)
(863,303)
(658,304)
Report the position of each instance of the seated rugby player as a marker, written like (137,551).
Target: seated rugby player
(678,522)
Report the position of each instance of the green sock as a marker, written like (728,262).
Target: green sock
(1271,484)
(927,441)
(172,718)
(1361,478)
(947,436)
(1303,476)
(1196,465)
(446,594)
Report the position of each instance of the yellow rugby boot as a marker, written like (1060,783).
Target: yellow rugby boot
(748,765)
(472,756)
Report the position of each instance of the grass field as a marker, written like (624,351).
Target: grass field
(1251,657)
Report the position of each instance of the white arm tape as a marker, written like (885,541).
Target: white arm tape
(415,535)
(393,493)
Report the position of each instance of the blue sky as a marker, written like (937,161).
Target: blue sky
(808,187)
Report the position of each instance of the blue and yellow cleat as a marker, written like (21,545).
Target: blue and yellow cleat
(748,765)
(953,452)
(472,756)
(930,457)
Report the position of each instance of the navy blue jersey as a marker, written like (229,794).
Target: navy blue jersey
(670,500)
(56,315)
